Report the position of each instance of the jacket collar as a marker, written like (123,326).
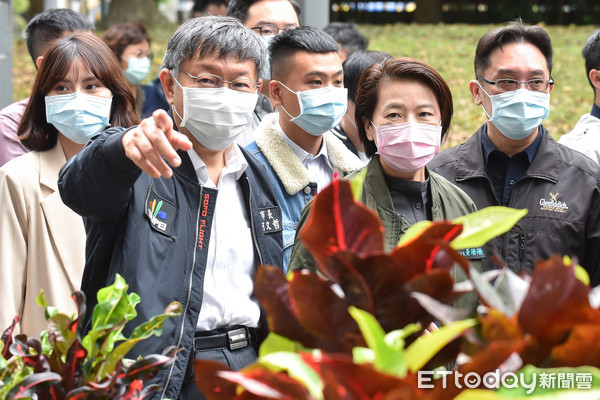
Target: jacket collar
(471,163)
(290,170)
(50,162)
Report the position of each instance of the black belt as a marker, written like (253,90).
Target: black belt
(232,338)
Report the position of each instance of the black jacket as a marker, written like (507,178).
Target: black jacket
(161,256)
(561,190)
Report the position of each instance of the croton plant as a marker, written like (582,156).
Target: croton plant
(64,365)
(356,330)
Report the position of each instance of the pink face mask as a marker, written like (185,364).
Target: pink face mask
(407,147)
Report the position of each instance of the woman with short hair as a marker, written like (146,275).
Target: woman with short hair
(403,112)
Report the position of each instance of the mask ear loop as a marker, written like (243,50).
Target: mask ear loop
(489,97)
(173,105)
(283,108)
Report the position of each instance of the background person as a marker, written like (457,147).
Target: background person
(347,130)
(266,18)
(195,233)
(348,37)
(513,161)
(585,136)
(203,8)
(131,44)
(78,91)
(41,31)
(403,112)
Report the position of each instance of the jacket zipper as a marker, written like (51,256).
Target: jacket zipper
(260,260)
(522,238)
(189,292)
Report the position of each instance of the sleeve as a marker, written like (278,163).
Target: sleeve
(13,248)
(591,261)
(301,257)
(97,183)
(10,147)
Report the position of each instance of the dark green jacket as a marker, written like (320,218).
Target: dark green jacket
(448,202)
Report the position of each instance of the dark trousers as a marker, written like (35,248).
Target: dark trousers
(234,359)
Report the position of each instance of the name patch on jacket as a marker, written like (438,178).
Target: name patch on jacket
(160,212)
(475,253)
(270,219)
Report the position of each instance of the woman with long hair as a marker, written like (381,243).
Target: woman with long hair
(79,90)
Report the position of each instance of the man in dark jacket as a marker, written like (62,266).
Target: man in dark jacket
(513,161)
(195,233)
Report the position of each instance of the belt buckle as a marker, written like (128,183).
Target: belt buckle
(237,338)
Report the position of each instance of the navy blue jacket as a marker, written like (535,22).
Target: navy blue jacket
(161,254)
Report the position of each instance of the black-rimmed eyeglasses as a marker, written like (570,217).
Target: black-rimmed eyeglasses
(508,85)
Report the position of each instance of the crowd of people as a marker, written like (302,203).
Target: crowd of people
(250,117)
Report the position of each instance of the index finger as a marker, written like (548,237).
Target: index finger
(177,141)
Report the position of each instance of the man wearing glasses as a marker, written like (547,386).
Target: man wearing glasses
(513,161)
(182,212)
(266,18)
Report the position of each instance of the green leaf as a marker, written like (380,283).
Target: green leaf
(356,184)
(427,346)
(141,332)
(582,275)
(386,358)
(414,231)
(363,355)
(274,343)
(115,307)
(483,225)
(296,368)
(395,339)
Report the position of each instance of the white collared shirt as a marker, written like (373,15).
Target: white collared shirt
(319,167)
(230,265)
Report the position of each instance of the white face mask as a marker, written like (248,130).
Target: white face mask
(216,116)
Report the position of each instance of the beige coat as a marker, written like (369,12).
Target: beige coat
(42,242)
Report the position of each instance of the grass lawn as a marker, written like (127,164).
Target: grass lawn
(449,49)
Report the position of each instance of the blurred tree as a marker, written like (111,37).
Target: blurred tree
(429,12)
(35,7)
(143,11)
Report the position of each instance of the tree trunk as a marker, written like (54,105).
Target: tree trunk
(143,11)
(35,7)
(428,12)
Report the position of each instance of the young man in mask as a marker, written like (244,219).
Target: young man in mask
(296,144)
(513,161)
(182,212)
(266,18)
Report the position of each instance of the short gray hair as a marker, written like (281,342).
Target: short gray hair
(219,36)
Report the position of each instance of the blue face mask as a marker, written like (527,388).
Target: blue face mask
(137,69)
(517,113)
(78,116)
(320,109)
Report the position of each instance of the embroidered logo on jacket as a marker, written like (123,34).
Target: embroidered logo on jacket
(270,219)
(553,204)
(160,212)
